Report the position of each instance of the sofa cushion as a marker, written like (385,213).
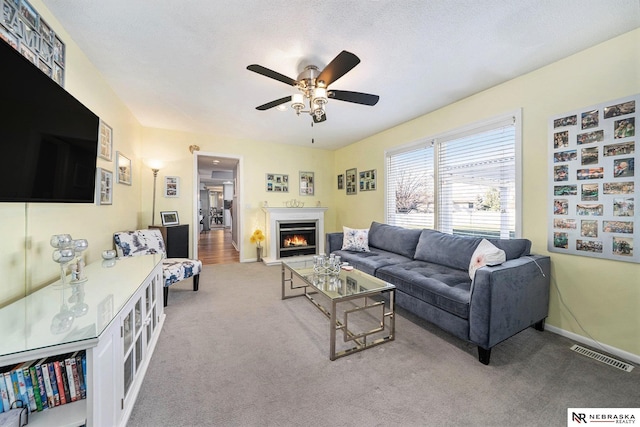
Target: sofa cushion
(485,254)
(446,249)
(370,262)
(402,241)
(444,287)
(355,239)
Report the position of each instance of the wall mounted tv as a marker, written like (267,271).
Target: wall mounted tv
(49,140)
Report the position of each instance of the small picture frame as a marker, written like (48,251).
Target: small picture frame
(106,141)
(171,186)
(104,186)
(307,183)
(169,218)
(123,166)
(29,14)
(368,180)
(351,181)
(58,51)
(341,181)
(277,183)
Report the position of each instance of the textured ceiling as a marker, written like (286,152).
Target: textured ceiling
(182,64)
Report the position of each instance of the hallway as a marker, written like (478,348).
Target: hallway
(215,247)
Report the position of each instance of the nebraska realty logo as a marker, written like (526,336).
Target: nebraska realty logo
(579,416)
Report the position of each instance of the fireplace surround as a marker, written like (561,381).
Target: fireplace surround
(300,218)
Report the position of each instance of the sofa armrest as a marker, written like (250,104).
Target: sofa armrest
(333,242)
(508,298)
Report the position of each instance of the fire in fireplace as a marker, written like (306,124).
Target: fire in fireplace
(296,238)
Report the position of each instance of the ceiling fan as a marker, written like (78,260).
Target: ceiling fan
(313,85)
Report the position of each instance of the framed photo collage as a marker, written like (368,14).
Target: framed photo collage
(593,183)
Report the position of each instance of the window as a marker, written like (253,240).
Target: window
(464,182)
(410,187)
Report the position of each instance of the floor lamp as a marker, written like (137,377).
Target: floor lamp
(155,166)
(153,212)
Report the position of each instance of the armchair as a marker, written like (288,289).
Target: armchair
(145,242)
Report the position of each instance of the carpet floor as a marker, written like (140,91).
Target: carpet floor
(235,354)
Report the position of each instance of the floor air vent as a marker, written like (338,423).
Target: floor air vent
(602,358)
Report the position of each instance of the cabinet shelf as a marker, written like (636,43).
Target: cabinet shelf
(72,414)
(113,294)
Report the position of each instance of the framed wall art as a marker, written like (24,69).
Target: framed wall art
(171,186)
(123,166)
(351,181)
(169,218)
(24,29)
(368,180)
(307,183)
(106,141)
(277,183)
(104,187)
(593,182)
(340,181)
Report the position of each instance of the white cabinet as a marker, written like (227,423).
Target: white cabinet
(118,330)
(139,330)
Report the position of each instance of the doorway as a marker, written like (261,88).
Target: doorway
(216,201)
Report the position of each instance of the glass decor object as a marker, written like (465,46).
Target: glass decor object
(68,253)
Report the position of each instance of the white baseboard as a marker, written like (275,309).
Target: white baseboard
(625,355)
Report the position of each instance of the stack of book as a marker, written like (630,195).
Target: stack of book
(45,383)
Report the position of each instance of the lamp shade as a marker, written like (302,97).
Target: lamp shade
(297,100)
(155,163)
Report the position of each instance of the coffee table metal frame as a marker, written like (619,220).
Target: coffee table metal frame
(313,284)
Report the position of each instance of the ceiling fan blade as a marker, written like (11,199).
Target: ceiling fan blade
(322,119)
(273,103)
(341,65)
(356,97)
(271,74)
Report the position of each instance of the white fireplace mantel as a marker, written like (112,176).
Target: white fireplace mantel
(286,214)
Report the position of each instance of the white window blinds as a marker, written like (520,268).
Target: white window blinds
(463,182)
(410,187)
(477,182)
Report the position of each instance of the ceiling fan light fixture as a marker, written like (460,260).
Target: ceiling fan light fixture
(297,102)
(319,96)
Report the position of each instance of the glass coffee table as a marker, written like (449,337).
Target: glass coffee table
(360,307)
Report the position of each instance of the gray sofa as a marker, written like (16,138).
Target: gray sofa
(430,270)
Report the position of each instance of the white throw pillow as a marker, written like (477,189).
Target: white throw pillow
(485,254)
(355,239)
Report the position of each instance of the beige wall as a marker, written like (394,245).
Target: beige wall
(257,159)
(25,255)
(603,295)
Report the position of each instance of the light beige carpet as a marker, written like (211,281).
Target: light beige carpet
(235,354)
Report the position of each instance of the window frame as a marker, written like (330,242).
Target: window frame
(435,142)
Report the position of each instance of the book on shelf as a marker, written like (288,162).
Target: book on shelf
(63,388)
(4,394)
(40,378)
(81,364)
(35,386)
(8,380)
(25,370)
(46,379)
(22,385)
(72,377)
(54,382)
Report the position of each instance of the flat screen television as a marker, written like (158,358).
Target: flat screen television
(48,139)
